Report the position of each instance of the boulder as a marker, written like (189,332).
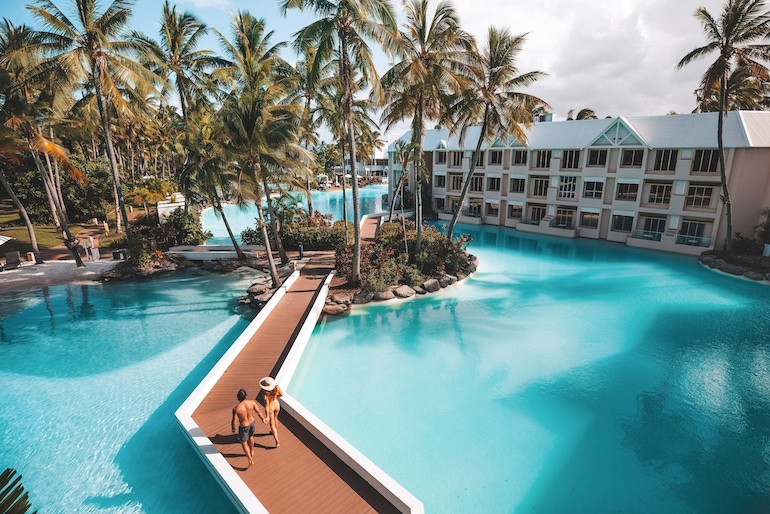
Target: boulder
(403,291)
(257,289)
(383,295)
(732,269)
(717,263)
(362,298)
(345,297)
(431,285)
(753,275)
(447,280)
(334,309)
(419,290)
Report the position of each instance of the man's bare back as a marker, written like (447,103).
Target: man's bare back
(244,411)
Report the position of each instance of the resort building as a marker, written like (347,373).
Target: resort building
(649,182)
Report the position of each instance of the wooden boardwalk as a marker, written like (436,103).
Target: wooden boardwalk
(302,475)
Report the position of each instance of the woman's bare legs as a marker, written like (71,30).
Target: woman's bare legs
(273,426)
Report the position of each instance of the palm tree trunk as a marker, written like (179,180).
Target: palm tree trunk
(467,184)
(722,172)
(69,240)
(236,246)
(399,187)
(274,224)
(24,217)
(344,200)
(355,275)
(108,144)
(417,147)
(268,249)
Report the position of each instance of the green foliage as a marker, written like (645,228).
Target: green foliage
(763,229)
(138,253)
(320,235)
(390,261)
(13,498)
(184,228)
(742,245)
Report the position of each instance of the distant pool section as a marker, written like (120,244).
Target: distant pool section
(563,376)
(91,376)
(327,202)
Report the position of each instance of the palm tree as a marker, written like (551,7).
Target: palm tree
(583,114)
(207,173)
(176,54)
(492,100)
(10,150)
(343,29)
(735,36)
(89,50)
(745,91)
(260,131)
(433,68)
(20,112)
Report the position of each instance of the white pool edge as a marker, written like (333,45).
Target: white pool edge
(231,483)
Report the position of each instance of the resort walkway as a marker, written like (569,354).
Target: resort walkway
(302,475)
(370,226)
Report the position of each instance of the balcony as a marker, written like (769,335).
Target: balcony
(548,226)
(562,224)
(683,239)
(647,234)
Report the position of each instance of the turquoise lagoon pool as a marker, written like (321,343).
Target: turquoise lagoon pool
(91,376)
(564,376)
(327,202)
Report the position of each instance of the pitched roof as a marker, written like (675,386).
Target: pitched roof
(742,129)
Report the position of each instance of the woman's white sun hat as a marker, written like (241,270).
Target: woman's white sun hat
(267,383)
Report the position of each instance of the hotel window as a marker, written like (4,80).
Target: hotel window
(480,159)
(699,196)
(474,207)
(457,159)
(495,157)
(493,184)
(657,225)
(660,193)
(536,213)
(622,223)
(593,189)
(493,209)
(692,229)
(565,218)
(597,157)
(516,185)
(665,160)
(627,191)
(567,187)
(540,186)
(543,159)
(455,182)
(519,158)
(440,204)
(632,158)
(440,157)
(705,161)
(440,181)
(515,211)
(589,219)
(570,160)
(477,183)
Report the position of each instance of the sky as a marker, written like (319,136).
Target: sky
(616,57)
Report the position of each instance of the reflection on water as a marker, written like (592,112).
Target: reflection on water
(563,376)
(326,202)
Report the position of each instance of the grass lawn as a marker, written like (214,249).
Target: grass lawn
(47,235)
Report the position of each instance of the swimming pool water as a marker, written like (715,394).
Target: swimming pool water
(564,376)
(91,376)
(326,202)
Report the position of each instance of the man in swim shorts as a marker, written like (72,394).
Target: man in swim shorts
(243,412)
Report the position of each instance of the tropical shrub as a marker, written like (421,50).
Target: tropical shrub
(184,228)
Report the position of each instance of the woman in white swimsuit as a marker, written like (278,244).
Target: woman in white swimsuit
(271,392)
